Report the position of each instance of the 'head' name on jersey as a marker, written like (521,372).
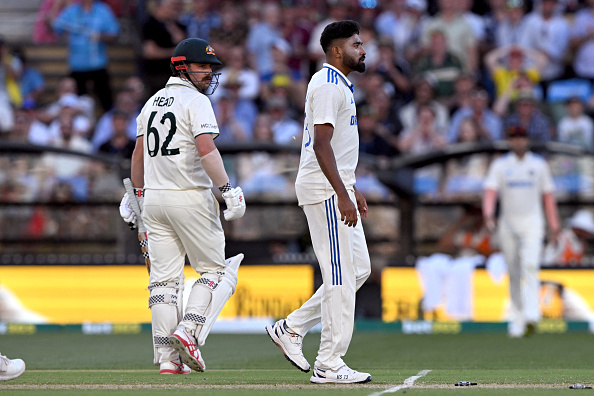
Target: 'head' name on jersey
(162,101)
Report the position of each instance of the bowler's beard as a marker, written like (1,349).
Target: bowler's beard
(354,64)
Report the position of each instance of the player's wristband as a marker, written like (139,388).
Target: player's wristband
(225,188)
(139,192)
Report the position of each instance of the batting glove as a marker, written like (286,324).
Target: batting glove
(126,212)
(235,204)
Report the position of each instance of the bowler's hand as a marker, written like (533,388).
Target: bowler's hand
(361,204)
(348,211)
(490,224)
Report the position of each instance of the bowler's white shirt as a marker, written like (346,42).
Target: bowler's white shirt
(329,100)
(179,113)
(520,184)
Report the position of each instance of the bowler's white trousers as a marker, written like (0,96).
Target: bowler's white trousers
(345,265)
(522,250)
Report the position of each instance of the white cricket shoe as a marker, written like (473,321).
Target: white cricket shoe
(185,345)
(290,343)
(11,369)
(174,368)
(343,375)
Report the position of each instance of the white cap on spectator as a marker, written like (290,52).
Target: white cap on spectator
(418,5)
(282,45)
(584,220)
(69,100)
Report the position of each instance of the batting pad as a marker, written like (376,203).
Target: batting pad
(165,315)
(208,297)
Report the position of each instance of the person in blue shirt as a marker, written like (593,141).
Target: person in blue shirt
(90,24)
(31,81)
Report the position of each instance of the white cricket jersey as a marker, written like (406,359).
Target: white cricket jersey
(520,185)
(170,121)
(329,100)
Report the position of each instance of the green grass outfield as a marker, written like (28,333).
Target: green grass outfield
(70,363)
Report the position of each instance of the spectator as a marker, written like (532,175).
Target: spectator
(506,63)
(407,36)
(283,78)
(512,27)
(296,33)
(337,11)
(119,143)
(489,124)
(393,14)
(104,130)
(465,175)
(263,37)
(233,30)
(82,126)
(528,116)
(475,21)
(201,20)
(388,124)
(522,85)
(496,16)
(10,94)
(425,136)
(43,32)
(370,142)
(442,65)
(261,173)
(89,24)
(424,92)
(236,68)
(548,33)
(27,129)
(31,81)
(464,86)
(235,116)
(161,33)
(395,71)
(570,245)
(135,86)
(460,37)
(286,130)
(576,127)
(69,170)
(67,94)
(582,42)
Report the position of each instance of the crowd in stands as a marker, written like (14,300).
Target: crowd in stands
(438,73)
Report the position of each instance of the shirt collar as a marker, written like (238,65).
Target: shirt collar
(179,81)
(344,78)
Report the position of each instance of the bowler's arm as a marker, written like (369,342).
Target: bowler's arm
(327,161)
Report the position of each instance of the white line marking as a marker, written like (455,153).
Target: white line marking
(407,383)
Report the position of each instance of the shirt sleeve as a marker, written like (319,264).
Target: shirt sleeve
(110,24)
(548,186)
(492,179)
(202,117)
(326,101)
(139,126)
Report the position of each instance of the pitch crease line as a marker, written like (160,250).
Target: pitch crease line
(407,383)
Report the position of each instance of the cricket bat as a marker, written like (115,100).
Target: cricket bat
(142,237)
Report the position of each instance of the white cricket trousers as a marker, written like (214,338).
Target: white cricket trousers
(522,250)
(180,223)
(344,262)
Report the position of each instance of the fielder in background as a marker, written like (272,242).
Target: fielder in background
(523,182)
(11,368)
(174,166)
(326,191)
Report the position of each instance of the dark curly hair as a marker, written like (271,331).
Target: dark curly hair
(337,30)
